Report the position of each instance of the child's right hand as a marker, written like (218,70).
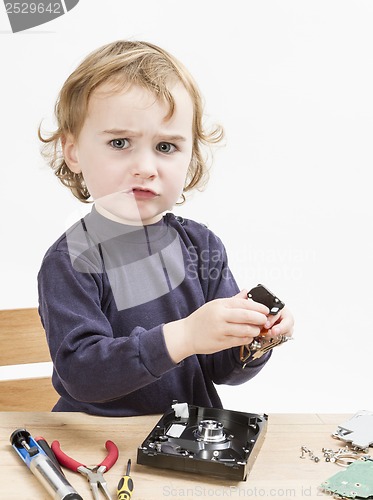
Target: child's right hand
(217,325)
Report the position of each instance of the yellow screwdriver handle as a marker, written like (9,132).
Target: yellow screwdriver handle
(125,488)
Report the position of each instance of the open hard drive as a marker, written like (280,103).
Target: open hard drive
(209,441)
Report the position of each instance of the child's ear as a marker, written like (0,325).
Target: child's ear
(70,153)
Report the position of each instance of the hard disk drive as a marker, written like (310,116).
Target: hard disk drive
(208,441)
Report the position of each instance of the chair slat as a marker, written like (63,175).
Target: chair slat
(22,337)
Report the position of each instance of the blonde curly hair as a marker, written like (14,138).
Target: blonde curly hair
(124,63)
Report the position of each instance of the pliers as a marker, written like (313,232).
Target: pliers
(93,474)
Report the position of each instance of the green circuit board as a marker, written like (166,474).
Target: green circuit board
(354,482)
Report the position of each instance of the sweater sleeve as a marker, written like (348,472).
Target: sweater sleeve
(93,365)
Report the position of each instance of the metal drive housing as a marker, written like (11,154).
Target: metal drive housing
(210,441)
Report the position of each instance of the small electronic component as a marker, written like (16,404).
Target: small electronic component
(356,481)
(262,344)
(264,296)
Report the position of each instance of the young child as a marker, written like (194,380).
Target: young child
(139,306)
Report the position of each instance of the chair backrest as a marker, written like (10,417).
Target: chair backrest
(23,350)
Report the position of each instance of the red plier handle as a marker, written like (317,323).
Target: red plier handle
(73,465)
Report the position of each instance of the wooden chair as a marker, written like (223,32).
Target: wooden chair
(22,340)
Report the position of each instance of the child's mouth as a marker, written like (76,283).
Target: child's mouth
(143,194)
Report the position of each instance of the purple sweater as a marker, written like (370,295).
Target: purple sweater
(105,292)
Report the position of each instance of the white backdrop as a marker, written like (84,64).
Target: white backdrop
(290,192)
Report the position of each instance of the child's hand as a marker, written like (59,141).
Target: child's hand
(280,324)
(215,326)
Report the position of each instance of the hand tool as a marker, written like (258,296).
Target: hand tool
(94,474)
(125,485)
(42,442)
(42,466)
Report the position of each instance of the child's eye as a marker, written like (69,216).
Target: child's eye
(166,147)
(119,143)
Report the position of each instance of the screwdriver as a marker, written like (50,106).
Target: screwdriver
(125,485)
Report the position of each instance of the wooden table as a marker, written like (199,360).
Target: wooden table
(278,472)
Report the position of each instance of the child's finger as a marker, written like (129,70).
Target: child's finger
(243,331)
(242,294)
(271,320)
(247,304)
(245,317)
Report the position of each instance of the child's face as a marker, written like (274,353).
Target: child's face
(134,163)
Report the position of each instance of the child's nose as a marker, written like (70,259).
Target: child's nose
(144,165)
